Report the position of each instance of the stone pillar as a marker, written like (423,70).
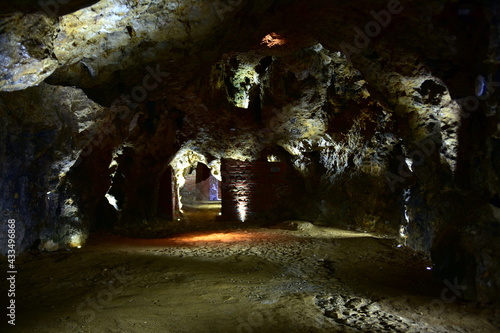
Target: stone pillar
(202,182)
(166,196)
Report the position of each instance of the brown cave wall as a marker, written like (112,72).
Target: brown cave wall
(338,139)
(138,165)
(445,198)
(167,203)
(257,190)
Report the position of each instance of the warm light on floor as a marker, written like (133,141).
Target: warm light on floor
(216,237)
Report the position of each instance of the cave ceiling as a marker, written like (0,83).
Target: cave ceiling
(108,47)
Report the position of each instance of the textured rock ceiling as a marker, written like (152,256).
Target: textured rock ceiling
(49,7)
(105,48)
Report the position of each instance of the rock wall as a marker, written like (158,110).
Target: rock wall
(255,190)
(43,132)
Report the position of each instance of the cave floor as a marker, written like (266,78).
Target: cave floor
(310,279)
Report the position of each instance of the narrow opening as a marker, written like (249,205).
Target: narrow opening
(200,186)
(201,193)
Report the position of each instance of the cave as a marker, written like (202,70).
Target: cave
(250,166)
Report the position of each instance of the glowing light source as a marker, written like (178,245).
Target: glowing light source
(113,164)
(273,158)
(403,229)
(272,40)
(112,200)
(76,240)
(242,210)
(216,237)
(481,85)
(409,163)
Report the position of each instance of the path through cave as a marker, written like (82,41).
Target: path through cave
(292,278)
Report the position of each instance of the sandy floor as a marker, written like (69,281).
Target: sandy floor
(239,280)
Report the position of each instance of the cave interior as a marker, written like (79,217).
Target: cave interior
(359,139)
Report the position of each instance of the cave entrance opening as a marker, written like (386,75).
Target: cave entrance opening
(201,193)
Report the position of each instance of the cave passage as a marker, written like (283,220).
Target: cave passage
(250,165)
(200,186)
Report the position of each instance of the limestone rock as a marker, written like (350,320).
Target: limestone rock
(42,140)
(26,50)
